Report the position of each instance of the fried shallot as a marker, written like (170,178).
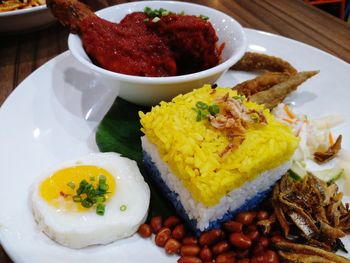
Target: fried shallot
(253,61)
(322,157)
(234,118)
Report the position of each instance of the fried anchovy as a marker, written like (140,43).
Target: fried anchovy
(291,252)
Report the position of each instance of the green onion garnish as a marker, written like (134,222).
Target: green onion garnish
(204,17)
(100,209)
(71,184)
(201,105)
(238,97)
(156,19)
(213,109)
(203,110)
(89,196)
(100,199)
(254,117)
(152,13)
(77,198)
(123,208)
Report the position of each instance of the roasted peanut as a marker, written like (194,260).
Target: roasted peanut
(206,254)
(179,232)
(271,256)
(189,250)
(172,246)
(258,248)
(162,236)
(251,228)
(246,218)
(172,221)
(276,238)
(243,254)
(228,257)
(264,241)
(276,232)
(156,224)
(210,237)
(190,241)
(145,230)
(240,240)
(262,215)
(253,235)
(221,247)
(233,226)
(261,258)
(189,260)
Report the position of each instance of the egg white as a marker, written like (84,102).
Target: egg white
(81,229)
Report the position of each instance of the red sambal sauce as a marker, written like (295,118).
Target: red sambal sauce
(173,45)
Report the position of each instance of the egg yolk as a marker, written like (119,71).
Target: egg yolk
(59,188)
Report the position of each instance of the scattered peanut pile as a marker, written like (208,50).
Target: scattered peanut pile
(242,240)
(265,235)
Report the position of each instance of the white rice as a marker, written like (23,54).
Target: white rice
(232,201)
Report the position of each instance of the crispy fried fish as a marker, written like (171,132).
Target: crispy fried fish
(276,94)
(261,83)
(253,61)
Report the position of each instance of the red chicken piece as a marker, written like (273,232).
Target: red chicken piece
(138,45)
(191,38)
(128,47)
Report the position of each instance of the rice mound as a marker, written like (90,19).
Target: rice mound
(183,156)
(200,217)
(191,149)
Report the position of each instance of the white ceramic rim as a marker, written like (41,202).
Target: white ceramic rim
(161,80)
(22,97)
(24,11)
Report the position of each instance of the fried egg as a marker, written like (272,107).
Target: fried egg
(69,212)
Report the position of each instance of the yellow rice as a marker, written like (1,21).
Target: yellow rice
(192,148)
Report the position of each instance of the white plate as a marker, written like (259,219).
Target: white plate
(25,19)
(52,117)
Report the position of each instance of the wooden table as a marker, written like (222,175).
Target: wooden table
(21,54)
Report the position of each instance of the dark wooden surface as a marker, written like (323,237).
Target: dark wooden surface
(21,54)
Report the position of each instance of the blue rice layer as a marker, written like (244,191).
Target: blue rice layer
(175,200)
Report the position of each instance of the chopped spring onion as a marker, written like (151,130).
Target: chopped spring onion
(238,97)
(156,19)
(88,195)
(152,13)
(100,209)
(204,17)
(203,110)
(71,184)
(123,208)
(201,105)
(213,109)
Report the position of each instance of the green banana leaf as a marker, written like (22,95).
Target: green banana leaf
(120,132)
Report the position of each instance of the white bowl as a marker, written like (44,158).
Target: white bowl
(151,90)
(27,19)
